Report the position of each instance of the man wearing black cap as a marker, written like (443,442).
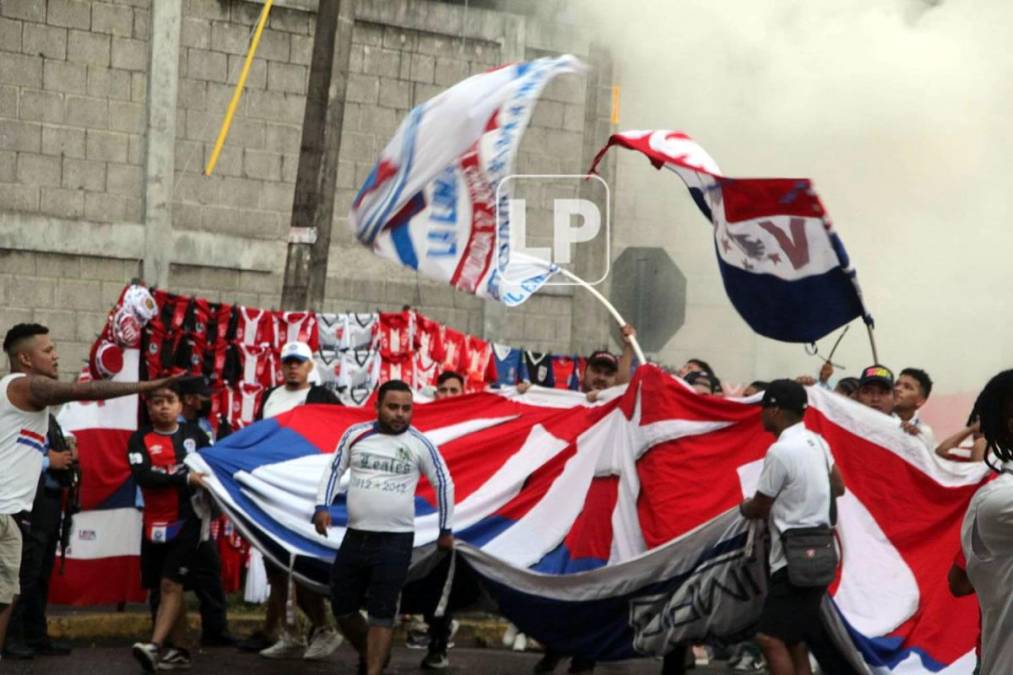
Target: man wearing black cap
(604,370)
(195,393)
(875,389)
(796,490)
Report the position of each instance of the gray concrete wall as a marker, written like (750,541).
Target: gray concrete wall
(95,187)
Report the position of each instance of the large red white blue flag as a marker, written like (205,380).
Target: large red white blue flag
(783,266)
(431,201)
(611,530)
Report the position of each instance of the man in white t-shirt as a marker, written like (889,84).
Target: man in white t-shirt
(986,536)
(910,393)
(296,365)
(796,489)
(25,396)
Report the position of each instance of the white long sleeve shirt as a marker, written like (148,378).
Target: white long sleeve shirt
(385,470)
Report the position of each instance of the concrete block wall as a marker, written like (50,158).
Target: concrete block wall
(70,294)
(73,88)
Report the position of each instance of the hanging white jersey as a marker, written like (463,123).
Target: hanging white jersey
(256,327)
(330,331)
(299,327)
(426,371)
(360,330)
(249,398)
(360,371)
(327,363)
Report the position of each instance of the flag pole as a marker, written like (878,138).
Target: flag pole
(612,310)
(872,342)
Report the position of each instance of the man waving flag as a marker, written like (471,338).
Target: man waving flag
(784,268)
(430,202)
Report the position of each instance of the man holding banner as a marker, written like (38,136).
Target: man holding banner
(385,458)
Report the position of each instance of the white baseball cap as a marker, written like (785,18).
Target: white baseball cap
(296,350)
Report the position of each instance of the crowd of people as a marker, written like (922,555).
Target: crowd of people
(385,458)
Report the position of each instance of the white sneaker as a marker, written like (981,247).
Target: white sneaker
(510,635)
(287,647)
(520,643)
(454,626)
(324,642)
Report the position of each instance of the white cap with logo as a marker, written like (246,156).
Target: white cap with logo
(296,350)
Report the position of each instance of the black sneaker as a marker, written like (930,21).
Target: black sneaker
(435,660)
(175,658)
(146,654)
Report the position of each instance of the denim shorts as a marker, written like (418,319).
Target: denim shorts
(369,570)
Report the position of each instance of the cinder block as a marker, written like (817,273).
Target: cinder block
(574,118)
(19,263)
(219,278)
(65,141)
(109,146)
(186,216)
(69,13)
(260,282)
(206,9)
(424,92)
(262,165)
(28,10)
(356,58)
(90,324)
(302,49)
(84,175)
(47,41)
(88,48)
(366,33)
(239,192)
(381,62)
(36,169)
(399,39)
(129,117)
(274,46)
(202,64)
(362,88)
(21,70)
(8,101)
(32,291)
(229,38)
(8,166)
(135,149)
(381,122)
(290,20)
(130,54)
(68,78)
(195,32)
(125,179)
(423,68)
(450,71)
(548,114)
(62,326)
(142,24)
(395,94)
(111,291)
(138,87)
(10,35)
(277,197)
(110,208)
(14,197)
(41,106)
(247,133)
(358,147)
(79,294)
(191,94)
(84,111)
(62,203)
(289,167)
(106,18)
(245,14)
(108,83)
(271,105)
(255,79)
(282,137)
(21,136)
(286,77)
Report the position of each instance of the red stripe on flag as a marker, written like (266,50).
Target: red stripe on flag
(100,581)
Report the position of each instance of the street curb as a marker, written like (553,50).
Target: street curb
(100,627)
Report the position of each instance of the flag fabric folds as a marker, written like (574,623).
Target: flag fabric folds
(434,200)
(783,266)
(610,529)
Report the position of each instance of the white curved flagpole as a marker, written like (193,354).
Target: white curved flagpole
(608,305)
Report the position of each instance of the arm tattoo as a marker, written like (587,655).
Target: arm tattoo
(44,391)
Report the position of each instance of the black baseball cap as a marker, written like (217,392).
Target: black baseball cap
(198,384)
(785,394)
(603,358)
(877,374)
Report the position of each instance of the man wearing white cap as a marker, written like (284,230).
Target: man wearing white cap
(296,366)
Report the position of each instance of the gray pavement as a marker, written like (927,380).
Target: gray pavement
(104,660)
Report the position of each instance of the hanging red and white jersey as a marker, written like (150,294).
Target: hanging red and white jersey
(223,323)
(566,372)
(246,402)
(197,317)
(479,366)
(298,327)
(330,331)
(256,327)
(397,368)
(360,371)
(259,364)
(361,330)
(397,333)
(428,338)
(426,371)
(453,349)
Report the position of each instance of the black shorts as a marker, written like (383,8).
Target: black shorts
(172,560)
(369,570)
(790,611)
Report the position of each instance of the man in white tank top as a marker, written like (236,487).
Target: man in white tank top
(25,397)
